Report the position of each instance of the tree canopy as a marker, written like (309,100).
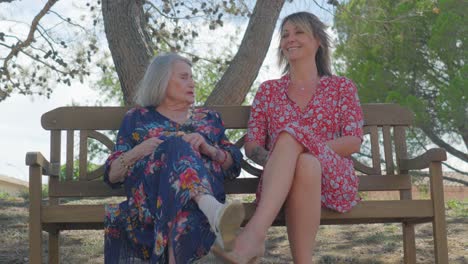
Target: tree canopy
(34,64)
(413,53)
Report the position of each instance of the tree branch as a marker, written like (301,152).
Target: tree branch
(444,177)
(45,63)
(330,2)
(439,142)
(423,146)
(455,169)
(68,20)
(21,45)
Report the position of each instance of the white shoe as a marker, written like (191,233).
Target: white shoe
(227,223)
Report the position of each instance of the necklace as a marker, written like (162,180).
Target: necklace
(301,85)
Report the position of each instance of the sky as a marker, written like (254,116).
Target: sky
(20,128)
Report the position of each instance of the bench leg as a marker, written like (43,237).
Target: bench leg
(439,226)
(35,225)
(35,242)
(54,237)
(440,241)
(409,243)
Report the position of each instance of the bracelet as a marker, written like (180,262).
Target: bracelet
(123,163)
(225,157)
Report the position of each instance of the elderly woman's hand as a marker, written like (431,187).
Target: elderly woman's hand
(199,143)
(146,147)
(119,170)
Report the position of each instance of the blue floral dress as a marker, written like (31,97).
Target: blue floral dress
(159,188)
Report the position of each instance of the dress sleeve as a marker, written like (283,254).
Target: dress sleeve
(351,117)
(257,126)
(223,142)
(123,144)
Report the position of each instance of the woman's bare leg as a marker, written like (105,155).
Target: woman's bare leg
(302,208)
(277,181)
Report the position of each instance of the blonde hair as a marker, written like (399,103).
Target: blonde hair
(152,88)
(312,25)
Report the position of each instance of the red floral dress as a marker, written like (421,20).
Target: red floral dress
(333,111)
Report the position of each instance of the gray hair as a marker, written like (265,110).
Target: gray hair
(152,88)
(312,25)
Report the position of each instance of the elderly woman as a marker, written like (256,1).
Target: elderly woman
(172,160)
(303,127)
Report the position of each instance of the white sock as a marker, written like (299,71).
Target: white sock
(210,207)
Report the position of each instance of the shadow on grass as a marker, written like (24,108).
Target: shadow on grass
(327,259)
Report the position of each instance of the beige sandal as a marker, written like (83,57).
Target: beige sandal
(228,223)
(233,258)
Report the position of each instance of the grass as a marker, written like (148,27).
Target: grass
(458,208)
(25,193)
(372,243)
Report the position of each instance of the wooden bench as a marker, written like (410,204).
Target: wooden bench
(383,122)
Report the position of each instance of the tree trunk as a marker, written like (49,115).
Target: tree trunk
(124,24)
(239,76)
(131,50)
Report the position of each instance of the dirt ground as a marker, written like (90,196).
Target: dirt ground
(375,243)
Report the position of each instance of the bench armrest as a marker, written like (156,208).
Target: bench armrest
(37,159)
(423,161)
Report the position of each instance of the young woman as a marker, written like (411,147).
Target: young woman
(303,128)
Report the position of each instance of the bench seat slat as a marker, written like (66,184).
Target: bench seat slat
(364,212)
(239,186)
(370,212)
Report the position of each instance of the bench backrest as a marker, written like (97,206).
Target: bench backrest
(385,126)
